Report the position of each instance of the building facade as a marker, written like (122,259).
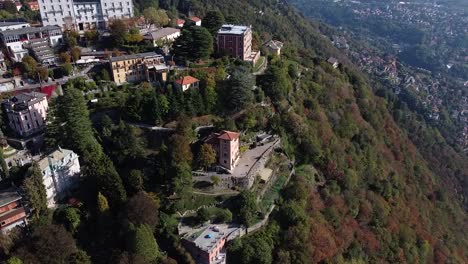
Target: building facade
(82,15)
(26,112)
(162,36)
(61,171)
(186,83)
(12,213)
(16,40)
(226,144)
(138,68)
(236,41)
(208,246)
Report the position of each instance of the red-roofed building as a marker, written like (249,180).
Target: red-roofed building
(180,22)
(34,6)
(196,20)
(187,82)
(12,213)
(226,144)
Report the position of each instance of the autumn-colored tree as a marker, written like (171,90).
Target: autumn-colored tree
(206,156)
(65,57)
(154,16)
(75,53)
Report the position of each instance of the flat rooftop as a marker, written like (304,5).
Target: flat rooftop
(208,238)
(28,30)
(135,56)
(8,196)
(233,29)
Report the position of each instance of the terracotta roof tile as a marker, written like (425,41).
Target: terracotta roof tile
(187,80)
(229,135)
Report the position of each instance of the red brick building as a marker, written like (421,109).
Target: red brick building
(236,41)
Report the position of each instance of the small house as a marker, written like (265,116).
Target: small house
(187,82)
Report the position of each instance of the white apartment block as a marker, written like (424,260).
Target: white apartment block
(26,113)
(16,39)
(60,170)
(82,15)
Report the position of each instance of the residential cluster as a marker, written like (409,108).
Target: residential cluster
(26,99)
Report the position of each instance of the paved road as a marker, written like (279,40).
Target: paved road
(60,81)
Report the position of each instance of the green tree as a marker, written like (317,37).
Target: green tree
(103,205)
(5,170)
(14,260)
(79,257)
(203,215)
(70,217)
(213,21)
(135,181)
(30,65)
(246,206)
(35,190)
(202,43)
(216,180)
(10,7)
(238,89)
(157,17)
(91,36)
(143,243)
(206,156)
(66,69)
(195,43)
(118,29)
(276,83)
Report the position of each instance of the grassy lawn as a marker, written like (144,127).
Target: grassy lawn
(259,63)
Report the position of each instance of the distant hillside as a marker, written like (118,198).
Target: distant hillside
(381,202)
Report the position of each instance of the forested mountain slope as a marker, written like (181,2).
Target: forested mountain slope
(380,201)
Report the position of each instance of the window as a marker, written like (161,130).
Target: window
(225,161)
(26,118)
(29,126)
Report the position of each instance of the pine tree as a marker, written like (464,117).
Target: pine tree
(213,21)
(202,46)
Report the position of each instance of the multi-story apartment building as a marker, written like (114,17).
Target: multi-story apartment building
(26,112)
(15,39)
(226,144)
(12,213)
(236,41)
(61,171)
(139,67)
(81,15)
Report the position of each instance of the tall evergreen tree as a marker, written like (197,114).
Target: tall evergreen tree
(213,21)
(143,243)
(35,190)
(238,89)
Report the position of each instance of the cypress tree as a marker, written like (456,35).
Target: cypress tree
(143,243)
